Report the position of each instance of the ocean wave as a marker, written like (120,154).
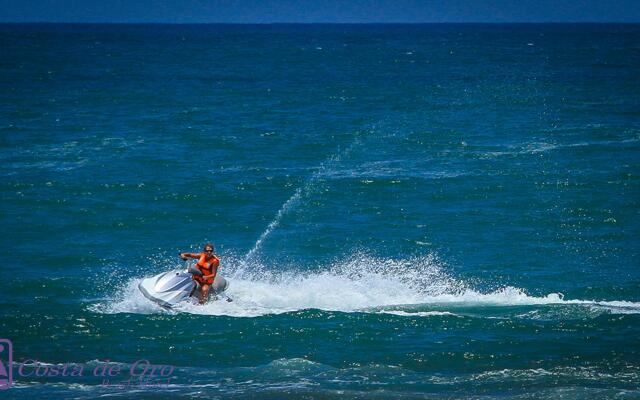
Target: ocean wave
(300,374)
(535,374)
(533,148)
(417,313)
(385,170)
(63,157)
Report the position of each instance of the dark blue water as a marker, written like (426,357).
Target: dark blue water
(402,211)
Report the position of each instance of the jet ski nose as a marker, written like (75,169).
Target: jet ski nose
(171,281)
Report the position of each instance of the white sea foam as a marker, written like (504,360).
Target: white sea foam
(543,147)
(417,313)
(360,283)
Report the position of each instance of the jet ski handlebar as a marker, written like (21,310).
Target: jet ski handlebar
(191,268)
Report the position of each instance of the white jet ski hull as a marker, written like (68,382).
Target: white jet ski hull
(170,288)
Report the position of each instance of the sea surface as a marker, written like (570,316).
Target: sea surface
(402,211)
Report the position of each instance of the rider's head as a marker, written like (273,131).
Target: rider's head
(208,248)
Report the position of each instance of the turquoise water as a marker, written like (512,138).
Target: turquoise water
(403,211)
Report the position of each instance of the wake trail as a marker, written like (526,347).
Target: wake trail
(410,287)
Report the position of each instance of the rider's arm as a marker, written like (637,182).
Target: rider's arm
(189,255)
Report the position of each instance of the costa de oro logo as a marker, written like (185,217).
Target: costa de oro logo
(6,363)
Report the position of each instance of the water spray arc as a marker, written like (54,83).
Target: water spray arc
(308,188)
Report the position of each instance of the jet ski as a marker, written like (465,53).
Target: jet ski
(170,288)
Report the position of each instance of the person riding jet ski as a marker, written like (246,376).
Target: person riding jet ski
(207,266)
(170,288)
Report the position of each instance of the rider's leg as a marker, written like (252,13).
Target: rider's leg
(204,293)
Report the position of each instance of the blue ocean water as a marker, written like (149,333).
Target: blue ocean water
(402,211)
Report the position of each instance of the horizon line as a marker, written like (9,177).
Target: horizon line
(318,23)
